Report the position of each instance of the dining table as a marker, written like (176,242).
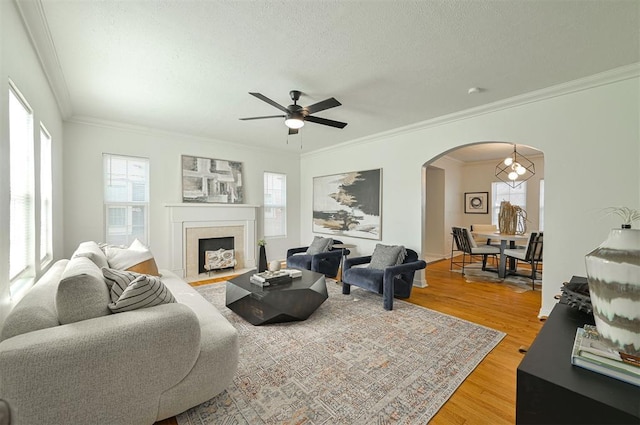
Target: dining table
(503,238)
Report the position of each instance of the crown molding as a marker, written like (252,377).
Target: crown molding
(35,22)
(132,128)
(593,81)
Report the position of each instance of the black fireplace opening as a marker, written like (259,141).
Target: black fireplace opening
(213,244)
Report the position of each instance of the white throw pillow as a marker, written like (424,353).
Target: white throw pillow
(137,258)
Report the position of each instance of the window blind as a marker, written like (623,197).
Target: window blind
(21,184)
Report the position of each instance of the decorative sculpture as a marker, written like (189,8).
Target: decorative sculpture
(512,219)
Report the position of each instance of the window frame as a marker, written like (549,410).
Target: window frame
(27,263)
(46,197)
(268,205)
(495,204)
(129,204)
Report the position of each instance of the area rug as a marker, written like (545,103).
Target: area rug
(351,362)
(519,284)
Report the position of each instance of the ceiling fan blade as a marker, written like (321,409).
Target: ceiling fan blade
(269,101)
(293,131)
(260,118)
(321,106)
(325,121)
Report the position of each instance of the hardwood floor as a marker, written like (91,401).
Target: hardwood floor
(488,395)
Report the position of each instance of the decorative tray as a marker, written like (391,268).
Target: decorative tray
(577,295)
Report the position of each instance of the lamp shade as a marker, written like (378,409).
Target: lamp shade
(294,122)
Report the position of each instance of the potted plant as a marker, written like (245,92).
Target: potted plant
(613,272)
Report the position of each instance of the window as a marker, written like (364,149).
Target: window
(46,212)
(503,192)
(275,205)
(541,217)
(21,237)
(126,199)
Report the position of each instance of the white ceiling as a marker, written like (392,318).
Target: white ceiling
(187,66)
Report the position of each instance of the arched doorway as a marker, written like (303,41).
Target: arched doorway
(471,169)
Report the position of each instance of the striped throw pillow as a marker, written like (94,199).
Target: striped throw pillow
(132,291)
(118,280)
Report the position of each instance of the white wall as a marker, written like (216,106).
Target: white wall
(19,62)
(434,216)
(590,140)
(453,206)
(86,142)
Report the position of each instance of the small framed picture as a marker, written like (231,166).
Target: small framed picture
(476,203)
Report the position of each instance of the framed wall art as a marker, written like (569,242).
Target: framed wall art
(349,204)
(476,203)
(208,180)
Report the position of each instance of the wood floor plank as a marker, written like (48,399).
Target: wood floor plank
(488,395)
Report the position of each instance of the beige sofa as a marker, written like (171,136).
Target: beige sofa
(134,367)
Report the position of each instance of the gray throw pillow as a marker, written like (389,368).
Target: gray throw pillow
(92,251)
(319,245)
(387,255)
(144,291)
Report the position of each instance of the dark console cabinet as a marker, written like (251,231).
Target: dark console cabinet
(552,391)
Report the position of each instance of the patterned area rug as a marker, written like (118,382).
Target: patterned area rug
(351,362)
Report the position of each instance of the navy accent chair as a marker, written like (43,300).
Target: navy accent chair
(392,281)
(326,263)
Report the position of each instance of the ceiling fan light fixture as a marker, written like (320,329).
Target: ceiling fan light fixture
(294,122)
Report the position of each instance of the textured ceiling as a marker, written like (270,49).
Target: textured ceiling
(187,66)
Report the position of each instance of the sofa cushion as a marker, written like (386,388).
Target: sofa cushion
(92,251)
(387,255)
(319,245)
(144,291)
(82,293)
(137,258)
(37,309)
(367,278)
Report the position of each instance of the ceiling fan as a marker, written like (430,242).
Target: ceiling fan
(296,115)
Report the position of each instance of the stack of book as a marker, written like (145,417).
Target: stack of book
(590,352)
(271,278)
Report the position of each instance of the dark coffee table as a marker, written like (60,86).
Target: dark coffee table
(284,302)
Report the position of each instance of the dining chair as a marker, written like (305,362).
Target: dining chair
(465,243)
(531,254)
(484,228)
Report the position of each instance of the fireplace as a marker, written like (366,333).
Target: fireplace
(192,222)
(216,254)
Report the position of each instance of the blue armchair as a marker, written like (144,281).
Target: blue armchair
(326,263)
(392,281)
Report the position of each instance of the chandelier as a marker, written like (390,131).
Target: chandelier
(515,169)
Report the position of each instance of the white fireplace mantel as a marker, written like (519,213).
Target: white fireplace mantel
(185,216)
